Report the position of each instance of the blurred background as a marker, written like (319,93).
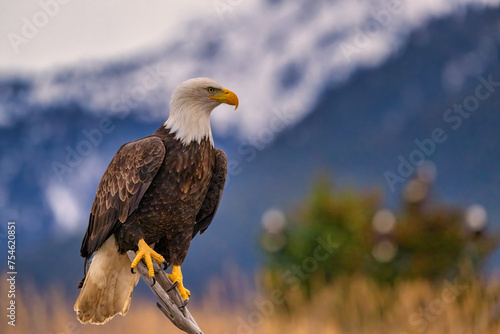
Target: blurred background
(363,182)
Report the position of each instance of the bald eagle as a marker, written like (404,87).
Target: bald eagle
(157,193)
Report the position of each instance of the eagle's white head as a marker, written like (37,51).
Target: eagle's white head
(190,107)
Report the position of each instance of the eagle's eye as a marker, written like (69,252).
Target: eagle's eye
(210,89)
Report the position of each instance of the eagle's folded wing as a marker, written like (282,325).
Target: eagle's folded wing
(121,189)
(214,194)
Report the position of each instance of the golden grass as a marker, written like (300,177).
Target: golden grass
(354,305)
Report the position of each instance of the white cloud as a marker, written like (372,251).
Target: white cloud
(65,207)
(68,199)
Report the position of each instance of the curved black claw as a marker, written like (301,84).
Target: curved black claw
(132,270)
(164,265)
(173,286)
(184,305)
(154,281)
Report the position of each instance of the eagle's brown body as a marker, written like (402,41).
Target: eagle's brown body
(157,189)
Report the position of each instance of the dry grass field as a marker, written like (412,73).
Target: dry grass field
(354,305)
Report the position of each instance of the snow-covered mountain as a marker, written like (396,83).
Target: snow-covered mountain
(274,54)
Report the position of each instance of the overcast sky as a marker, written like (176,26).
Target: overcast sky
(89,29)
(98,29)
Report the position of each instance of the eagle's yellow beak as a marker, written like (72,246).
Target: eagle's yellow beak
(227,97)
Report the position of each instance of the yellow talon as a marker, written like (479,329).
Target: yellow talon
(147,253)
(176,276)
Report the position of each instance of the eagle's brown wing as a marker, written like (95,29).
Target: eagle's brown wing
(214,194)
(121,189)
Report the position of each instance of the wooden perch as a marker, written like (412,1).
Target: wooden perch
(171,303)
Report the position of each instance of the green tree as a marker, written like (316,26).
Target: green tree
(424,239)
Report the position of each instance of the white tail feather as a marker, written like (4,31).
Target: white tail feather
(107,289)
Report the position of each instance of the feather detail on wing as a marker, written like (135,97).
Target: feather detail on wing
(214,194)
(121,189)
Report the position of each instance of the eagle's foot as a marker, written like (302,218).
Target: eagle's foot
(176,276)
(147,253)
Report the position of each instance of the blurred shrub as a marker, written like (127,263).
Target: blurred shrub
(335,234)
